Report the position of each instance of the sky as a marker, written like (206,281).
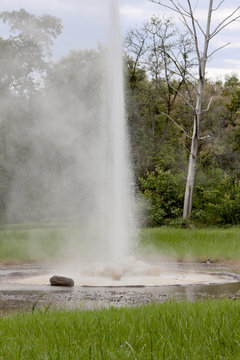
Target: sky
(86,23)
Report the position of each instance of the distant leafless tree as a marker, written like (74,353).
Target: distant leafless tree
(149,47)
(194,82)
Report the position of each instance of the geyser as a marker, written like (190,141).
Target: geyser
(120,207)
(76,172)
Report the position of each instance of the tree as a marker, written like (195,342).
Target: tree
(199,35)
(24,61)
(152,80)
(25,54)
(149,47)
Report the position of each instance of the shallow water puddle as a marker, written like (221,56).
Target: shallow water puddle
(23,286)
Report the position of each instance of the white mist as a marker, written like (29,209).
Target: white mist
(77,173)
(120,195)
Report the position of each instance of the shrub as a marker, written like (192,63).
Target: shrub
(219,205)
(165,193)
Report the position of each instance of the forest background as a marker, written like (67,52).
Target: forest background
(159,121)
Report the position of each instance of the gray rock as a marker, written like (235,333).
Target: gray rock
(61,281)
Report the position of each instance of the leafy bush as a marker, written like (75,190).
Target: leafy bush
(219,205)
(165,193)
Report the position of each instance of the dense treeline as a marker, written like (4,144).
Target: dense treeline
(161,149)
(163,97)
(161,154)
(159,123)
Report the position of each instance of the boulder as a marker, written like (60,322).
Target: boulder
(61,281)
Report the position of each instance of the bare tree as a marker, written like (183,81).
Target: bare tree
(201,38)
(149,47)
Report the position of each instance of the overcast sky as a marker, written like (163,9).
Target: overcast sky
(86,23)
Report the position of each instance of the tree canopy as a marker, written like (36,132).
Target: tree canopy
(38,96)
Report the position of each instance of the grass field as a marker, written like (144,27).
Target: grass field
(33,245)
(29,245)
(201,244)
(203,330)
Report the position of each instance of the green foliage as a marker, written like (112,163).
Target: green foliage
(234,106)
(164,192)
(174,330)
(217,202)
(74,77)
(24,60)
(134,74)
(218,205)
(26,52)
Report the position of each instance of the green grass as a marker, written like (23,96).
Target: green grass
(27,245)
(214,243)
(45,244)
(203,330)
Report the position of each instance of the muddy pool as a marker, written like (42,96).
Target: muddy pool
(23,287)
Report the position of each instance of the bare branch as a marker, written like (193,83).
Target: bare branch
(164,5)
(184,22)
(225,22)
(199,26)
(196,5)
(173,8)
(183,97)
(187,83)
(183,10)
(209,104)
(175,123)
(205,137)
(178,65)
(216,8)
(180,10)
(221,47)
(189,153)
(194,30)
(235,19)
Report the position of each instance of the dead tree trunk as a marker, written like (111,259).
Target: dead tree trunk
(187,209)
(191,174)
(202,60)
(198,35)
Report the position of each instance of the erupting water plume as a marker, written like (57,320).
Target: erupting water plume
(120,192)
(114,193)
(76,169)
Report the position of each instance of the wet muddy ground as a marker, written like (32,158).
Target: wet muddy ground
(17,296)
